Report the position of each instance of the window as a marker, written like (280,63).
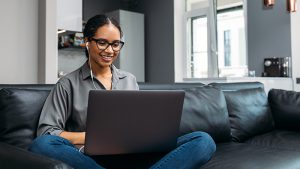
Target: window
(227,48)
(215,39)
(198,51)
(232,60)
(198,39)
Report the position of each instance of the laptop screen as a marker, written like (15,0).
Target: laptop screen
(126,122)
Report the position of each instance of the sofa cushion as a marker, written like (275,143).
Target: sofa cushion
(247,156)
(249,113)
(285,106)
(204,109)
(12,157)
(279,139)
(19,114)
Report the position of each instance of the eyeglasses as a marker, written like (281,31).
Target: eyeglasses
(103,44)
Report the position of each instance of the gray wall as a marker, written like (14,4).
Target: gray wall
(94,7)
(19,41)
(269,33)
(159,36)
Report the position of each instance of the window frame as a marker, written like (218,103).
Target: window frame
(213,68)
(188,39)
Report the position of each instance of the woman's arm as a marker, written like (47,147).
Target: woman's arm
(55,112)
(73,137)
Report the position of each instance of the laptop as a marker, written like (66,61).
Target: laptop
(131,122)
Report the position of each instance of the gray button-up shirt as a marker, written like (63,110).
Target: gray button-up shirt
(66,106)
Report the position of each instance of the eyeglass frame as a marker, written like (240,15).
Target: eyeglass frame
(108,44)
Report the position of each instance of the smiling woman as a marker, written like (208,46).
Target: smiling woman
(62,124)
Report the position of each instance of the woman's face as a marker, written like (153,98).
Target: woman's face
(100,52)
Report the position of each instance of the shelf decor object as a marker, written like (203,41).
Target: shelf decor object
(291,5)
(269,3)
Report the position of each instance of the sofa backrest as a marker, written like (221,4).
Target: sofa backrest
(285,106)
(237,85)
(21,104)
(248,108)
(20,107)
(19,114)
(204,109)
(28,86)
(168,86)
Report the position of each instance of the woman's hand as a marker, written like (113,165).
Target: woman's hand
(73,137)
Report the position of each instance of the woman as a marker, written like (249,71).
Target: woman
(62,121)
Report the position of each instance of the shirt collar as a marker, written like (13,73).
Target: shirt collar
(85,71)
(116,73)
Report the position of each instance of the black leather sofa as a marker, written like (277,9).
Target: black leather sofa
(252,130)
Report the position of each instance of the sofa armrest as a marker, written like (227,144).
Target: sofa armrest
(12,157)
(285,107)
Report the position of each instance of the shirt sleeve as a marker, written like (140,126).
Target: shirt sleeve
(55,112)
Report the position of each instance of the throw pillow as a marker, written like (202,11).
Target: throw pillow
(285,106)
(204,109)
(19,114)
(249,113)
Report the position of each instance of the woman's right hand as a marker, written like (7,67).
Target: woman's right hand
(73,137)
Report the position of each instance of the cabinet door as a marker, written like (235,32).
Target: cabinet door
(69,15)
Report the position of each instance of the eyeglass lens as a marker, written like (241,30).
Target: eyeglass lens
(104,44)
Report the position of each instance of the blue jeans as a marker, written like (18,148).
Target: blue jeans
(192,151)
